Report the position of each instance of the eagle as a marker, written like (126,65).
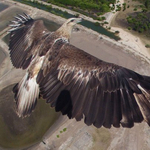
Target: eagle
(72,81)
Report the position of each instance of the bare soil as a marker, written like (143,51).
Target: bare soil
(120,19)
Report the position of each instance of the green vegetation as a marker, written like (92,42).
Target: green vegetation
(124,6)
(117,32)
(65,14)
(45,7)
(94,6)
(147,45)
(140,20)
(97,23)
(64,130)
(57,136)
(129,28)
(146,3)
(118,8)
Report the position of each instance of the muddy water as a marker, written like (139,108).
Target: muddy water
(6,17)
(16,132)
(3,7)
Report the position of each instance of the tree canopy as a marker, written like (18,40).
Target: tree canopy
(139,20)
(90,5)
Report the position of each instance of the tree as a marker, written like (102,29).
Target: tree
(141,30)
(105,8)
(147,4)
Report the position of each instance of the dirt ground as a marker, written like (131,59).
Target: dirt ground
(120,20)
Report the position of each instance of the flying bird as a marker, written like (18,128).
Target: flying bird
(73,81)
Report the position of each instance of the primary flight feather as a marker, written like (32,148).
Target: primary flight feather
(71,80)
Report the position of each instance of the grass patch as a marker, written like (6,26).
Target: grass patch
(57,136)
(64,129)
(147,45)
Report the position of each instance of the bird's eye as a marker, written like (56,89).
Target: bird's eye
(72,20)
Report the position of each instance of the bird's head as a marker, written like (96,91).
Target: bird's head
(71,22)
(66,29)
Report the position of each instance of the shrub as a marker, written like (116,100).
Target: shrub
(141,30)
(147,45)
(117,32)
(103,18)
(77,15)
(64,129)
(105,22)
(97,23)
(129,28)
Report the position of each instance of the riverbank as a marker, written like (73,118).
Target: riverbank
(135,44)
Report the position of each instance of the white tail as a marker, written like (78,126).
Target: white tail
(26,94)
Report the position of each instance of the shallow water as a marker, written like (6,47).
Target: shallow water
(66,15)
(16,132)
(6,17)
(3,7)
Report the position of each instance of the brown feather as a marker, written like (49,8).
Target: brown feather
(73,81)
(24,42)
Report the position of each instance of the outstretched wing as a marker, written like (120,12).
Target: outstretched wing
(25,36)
(80,85)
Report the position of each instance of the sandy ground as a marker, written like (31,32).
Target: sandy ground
(78,136)
(134,41)
(110,15)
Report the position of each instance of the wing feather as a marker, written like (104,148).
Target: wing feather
(109,109)
(93,113)
(101,111)
(87,112)
(127,118)
(136,113)
(77,98)
(104,93)
(24,40)
(97,106)
(117,115)
(81,104)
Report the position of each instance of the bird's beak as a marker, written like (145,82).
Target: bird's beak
(78,20)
